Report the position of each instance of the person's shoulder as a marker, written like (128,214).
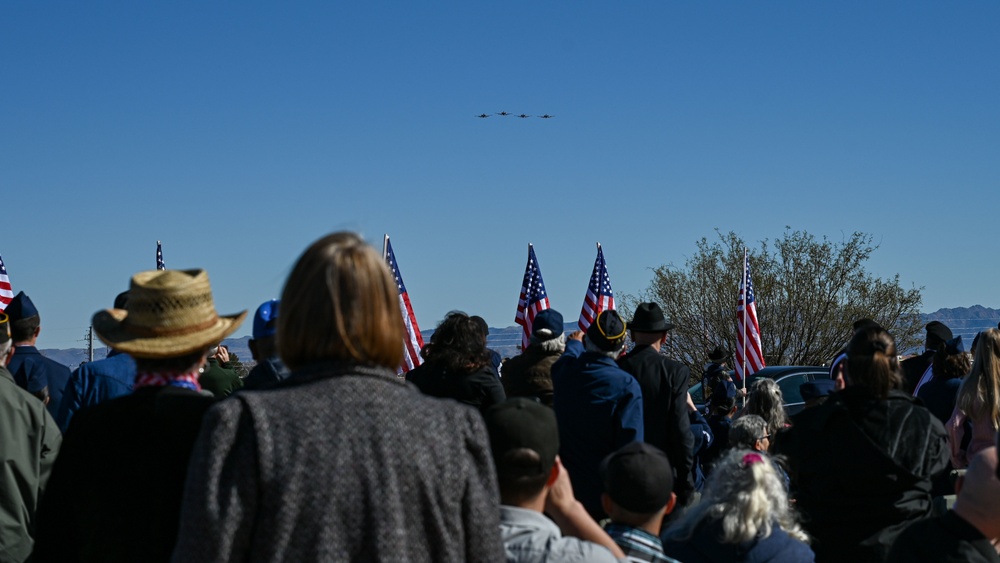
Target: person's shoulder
(55,367)
(18,398)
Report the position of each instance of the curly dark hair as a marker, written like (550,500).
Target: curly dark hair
(951,366)
(457,345)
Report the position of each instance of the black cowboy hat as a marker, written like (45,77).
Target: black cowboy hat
(648,317)
(718,354)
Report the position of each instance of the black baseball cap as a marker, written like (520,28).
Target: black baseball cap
(521,423)
(638,477)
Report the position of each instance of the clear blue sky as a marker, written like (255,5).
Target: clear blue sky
(238,132)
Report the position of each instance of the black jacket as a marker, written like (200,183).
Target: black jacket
(664,384)
(115,491)
(480,389)
(862,469)
(914,368)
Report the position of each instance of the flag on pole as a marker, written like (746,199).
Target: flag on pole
(749,359)
(159,257)
(412,341)
(600,297)
(533,299)
(6,294)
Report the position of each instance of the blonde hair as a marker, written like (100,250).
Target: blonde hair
(340,303)
(766,401)
(979,396)
(744,493)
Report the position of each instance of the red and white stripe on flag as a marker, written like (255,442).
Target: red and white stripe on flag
(748,352)
(599,297)
(6,293)
(412,340)
(533,298)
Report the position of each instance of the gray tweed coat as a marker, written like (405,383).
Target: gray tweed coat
(340,463)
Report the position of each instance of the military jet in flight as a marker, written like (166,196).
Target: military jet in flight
(502,113)
(546,116)
(482,116)
(522,116)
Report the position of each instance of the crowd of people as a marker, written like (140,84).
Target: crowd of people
(585,447)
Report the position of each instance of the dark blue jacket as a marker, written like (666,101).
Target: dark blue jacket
(720,425)
(703,439)
(704,547)
(267,373)
(34,372)
(599,409)
(96,382)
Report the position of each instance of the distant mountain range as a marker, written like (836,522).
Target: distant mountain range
(964,321)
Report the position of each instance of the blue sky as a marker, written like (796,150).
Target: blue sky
(237,133)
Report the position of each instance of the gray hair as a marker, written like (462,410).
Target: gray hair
(746,430)
(4,348)
(554,344)
(744,493)
(591,347)
(766,401)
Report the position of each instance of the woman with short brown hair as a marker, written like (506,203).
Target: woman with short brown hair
(341,461)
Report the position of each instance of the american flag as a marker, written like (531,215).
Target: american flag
(748,355)
(412,342)
(159,257)
(600,297)
(6,294)
(533,299)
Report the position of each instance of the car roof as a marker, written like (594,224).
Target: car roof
(774,372)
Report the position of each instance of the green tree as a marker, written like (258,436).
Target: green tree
(809,291)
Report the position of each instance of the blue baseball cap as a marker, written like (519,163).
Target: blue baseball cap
(547,324)
(265,319)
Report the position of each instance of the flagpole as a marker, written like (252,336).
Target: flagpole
(385,246)
(743,325)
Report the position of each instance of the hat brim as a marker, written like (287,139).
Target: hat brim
(655,327)
(110,327)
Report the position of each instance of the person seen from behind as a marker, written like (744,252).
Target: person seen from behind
(767,402)
(976,417)
(341,461)
(744,515)
(638,494)
(29,442)
(457,365)
(525,442)
(598,405)
(115,491)
(264,349)
(862,462)
(969,532)
(530,373)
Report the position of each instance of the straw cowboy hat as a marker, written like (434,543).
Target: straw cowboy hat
(170,313)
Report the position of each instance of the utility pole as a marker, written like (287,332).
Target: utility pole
(89,338)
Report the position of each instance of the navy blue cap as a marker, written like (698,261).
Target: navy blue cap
(548,324)
(265,320)
(21,307)
(607,331)
(954,346)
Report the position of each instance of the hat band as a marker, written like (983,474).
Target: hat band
(150,331)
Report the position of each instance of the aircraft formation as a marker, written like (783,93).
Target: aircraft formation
(522,116)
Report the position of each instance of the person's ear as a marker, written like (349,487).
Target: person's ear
(959,483)
(671,503)
(606,504)
(10,355)
(38,330)
(553,474)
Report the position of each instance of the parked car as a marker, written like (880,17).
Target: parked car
(788,379)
